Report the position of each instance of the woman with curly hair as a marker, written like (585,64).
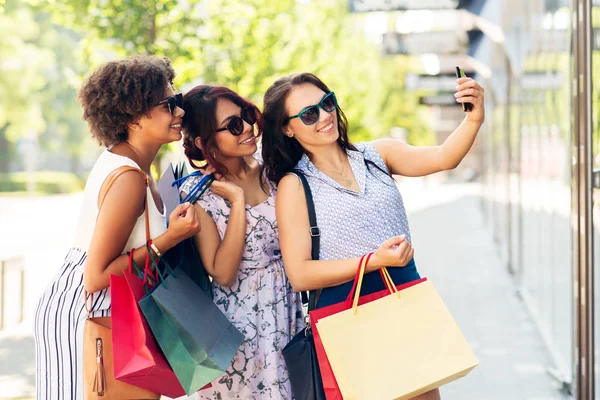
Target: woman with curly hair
(239,243)
(132,110)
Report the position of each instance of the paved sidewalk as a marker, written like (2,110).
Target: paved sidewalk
(455,251)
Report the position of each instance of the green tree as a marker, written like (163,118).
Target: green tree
(38,83)
(21,79)
(65,132)
(247,45)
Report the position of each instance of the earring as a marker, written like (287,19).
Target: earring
(213,155)
(137,128)
(290,134)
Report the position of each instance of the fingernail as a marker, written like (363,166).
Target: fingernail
(403,236)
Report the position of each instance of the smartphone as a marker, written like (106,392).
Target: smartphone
(461,74)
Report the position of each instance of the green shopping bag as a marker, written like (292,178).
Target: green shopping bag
(197,339)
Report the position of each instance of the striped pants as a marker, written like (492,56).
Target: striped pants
(58,332)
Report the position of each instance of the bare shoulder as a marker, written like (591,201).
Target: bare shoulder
(289,191)
(129,187)
(289,184)
(388,148)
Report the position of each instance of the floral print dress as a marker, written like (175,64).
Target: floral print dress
(261,304)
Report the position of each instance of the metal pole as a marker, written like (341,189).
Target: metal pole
(584,272)
(2,294)
(22,295)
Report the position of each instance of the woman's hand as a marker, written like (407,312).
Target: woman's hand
(209,169)
(223,187)
(183,223)
(228,190)
(469,91)
(394,252)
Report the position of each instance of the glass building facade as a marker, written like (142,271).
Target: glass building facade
(540,164)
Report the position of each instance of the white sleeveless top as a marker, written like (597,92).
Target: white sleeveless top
(106,163)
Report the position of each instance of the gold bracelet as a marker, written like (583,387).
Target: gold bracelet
(155,250)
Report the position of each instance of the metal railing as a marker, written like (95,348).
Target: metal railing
(12,291)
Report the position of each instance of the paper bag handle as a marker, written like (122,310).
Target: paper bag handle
(383,272)
(385,275)
(352,291)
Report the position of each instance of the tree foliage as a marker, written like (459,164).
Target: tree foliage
(245,45)
(39,76)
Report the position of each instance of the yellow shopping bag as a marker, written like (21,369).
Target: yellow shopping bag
(396,347)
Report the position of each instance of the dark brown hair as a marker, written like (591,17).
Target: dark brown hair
(200,121)
(281,153)
(120,92)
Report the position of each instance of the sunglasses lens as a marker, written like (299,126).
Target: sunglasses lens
(310,115)
(236,126)
(175,101)
(249,116)
(172,104)
(329,102)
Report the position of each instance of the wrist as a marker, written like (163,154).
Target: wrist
(154,249)
(239,200)
(476,124)
(374,263)
(165,241)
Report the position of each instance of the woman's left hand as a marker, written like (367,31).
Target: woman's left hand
(469,91)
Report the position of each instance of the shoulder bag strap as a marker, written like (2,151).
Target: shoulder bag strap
(108,182)
(315,236)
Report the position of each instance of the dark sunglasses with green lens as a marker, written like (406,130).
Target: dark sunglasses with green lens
(173,102)
(236,124)
(310,115)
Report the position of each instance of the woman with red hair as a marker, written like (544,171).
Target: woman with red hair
(239,242)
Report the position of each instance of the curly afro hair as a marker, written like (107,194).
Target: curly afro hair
(122,91)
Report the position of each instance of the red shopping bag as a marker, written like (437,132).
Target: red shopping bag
(137,358)
(332,391)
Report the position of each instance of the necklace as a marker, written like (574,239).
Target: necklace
(339,177)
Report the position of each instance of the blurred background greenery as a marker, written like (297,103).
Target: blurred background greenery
(49,46)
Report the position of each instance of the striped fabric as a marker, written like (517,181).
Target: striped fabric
(59,320)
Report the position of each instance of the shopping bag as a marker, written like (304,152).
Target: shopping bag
(137,358)
(197,339)
(330,386)
(184,255)
(99,382)
(404,342)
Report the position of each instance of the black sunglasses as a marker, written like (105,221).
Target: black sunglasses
(173,102)
(310,115)
(236,124)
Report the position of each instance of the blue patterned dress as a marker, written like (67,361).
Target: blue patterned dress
(261,304)
(355,223)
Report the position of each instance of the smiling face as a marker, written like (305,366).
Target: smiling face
(160,125)
(229,145)
(324,131)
